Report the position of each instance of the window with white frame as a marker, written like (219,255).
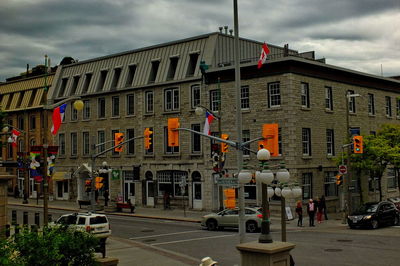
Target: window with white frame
(371,104)
(328,98)
(388,106)
(274,94)
(115,106)
(307,181)
(195,95)
(86,143)
(214,100)
(61,143)
(398,108)
(74,113)
(330,142)
(130,104)
(196,139)
(86,109)
(168,149)
(246,137)
(171,99)
(305,95)
(306,140)
(391,179)
(149,101)
(169,181)
(74,144)
(101,108)
(101,138)
(352,101)
(331,189)
(244,97)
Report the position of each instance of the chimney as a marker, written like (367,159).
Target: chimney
(226,29)
(27,70)
(286,50)
(220,29)
(231,32)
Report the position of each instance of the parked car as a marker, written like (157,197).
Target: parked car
(395,201)
(94,223)
(373,215)
(230,218)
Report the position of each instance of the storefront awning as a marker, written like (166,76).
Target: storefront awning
(60,176)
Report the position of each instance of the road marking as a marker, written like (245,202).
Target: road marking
(193,239)
(177,233)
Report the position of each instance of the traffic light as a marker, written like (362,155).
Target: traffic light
(99,182)
(270,133)
(173,134)
(339,179)
(148,134)
(88,185)
(358,144)
(224,146)
(230,201)
(118,138)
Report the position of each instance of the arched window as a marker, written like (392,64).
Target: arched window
(149,175)
(196,176)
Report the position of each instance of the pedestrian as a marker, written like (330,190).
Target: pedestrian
(311,211)
(323,202)
(320,210)
(166,200)
(106,195)
(207,261)
(299,211)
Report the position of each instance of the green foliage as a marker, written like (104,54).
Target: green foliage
(53,246)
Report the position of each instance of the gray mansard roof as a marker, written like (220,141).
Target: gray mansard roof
(161,64)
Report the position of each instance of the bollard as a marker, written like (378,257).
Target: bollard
(34,228)
(25,219)
(14,217)
(49,218)
(8,230)
(37,218)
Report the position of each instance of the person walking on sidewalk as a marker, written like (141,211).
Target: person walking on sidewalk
(320,210)
(323,202)
(299,211)
(311,211)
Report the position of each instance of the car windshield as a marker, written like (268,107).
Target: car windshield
(367,208)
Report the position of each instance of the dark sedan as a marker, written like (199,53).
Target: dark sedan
(373,215)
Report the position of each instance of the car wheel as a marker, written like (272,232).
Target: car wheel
(251,226)
(212,225)
(374,224)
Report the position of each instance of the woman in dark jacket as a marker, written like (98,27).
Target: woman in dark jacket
(299,211)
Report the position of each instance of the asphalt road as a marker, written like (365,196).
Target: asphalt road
(334,246)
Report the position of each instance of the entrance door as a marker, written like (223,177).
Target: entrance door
(62,190)
(32,188)
(129,192)
(197,196)
(150,192)
(59,190)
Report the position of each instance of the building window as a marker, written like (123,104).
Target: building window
(88,79)
(130,104)
(330,142)
(244,97)
(117,75)
(21,123)
(307,185)
(32,122)
(171,99)
(331,189)
(391,180)
(173,63)
(196,139)
(113,132)
(86,109)
(61,143)
(168,149)
(398,108)
(75,83)
(86,143)
(196,92)
(63,86)
(388,101)
(306,139)
(102,80)
(115,106)
(74,113)
(150,150)
(131,75)
(101,110)
(74,144)
(371,104)
(352,102)
(274,95)
(154,69)
(192,64)
(214,100)
(131,144)
(305,95)
(101,138)
(149,101)
(246,137)
(328,98)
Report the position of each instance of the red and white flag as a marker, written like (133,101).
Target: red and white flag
(209,119)
(58,116)
(263,56)
(14,136)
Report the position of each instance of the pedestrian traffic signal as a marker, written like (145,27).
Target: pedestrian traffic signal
(224,146)
(88,185)
(118,138)
(173,133)
(358,144)
(270,133)
(339,179)
(99,182)
(148,135)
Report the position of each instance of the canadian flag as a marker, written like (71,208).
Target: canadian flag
(14,136)
(263,56)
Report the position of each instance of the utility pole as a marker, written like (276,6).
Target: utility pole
(45,146)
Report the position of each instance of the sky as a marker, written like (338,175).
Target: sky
(362,35)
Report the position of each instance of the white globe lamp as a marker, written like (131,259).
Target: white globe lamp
(263,155)
(244,176)
(199,111)
(287,192)
(266,176)
(270,192)
(278,192)
(297,192)
(283,175)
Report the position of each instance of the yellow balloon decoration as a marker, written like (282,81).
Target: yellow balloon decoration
(78,105)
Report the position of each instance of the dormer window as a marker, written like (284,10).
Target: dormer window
(192,64)
(154,69)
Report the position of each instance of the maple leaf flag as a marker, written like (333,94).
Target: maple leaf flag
(14,136)
(58,115)
(263,56)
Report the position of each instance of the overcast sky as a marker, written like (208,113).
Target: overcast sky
(361,35)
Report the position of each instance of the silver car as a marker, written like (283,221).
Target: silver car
(230,218)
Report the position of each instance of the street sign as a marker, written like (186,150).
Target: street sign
(343,169)
(225,181)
